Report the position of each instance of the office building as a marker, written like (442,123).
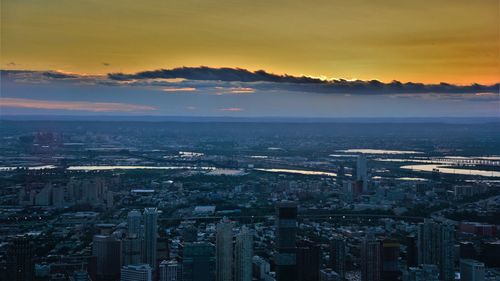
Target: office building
(224,250)
(371,259)
(107,250)
(170,271)
(338,255)
(286,232)
(134,223)
(243,255)
(390,259)
(308,261)
(471,270)
(20,263)
(132,250)
(150,236)
(140,272)
(198,262)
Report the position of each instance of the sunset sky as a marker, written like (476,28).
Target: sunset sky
(452,41)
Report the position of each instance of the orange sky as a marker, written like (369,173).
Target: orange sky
(455,41)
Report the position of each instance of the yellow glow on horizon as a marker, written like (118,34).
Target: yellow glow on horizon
(455,41)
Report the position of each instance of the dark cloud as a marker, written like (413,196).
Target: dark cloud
(106,64)
(59,75)
(302,83)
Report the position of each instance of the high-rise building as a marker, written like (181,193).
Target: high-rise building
(20,263)
(436,246)
(80,275)
(140,272)
(198,262)
(329,274)
(150,236)
(361,170)
(132,250)
(134,223)
(107,250)
(170,271)
(425,272)
(390,257)
(471,270)
(308,261)
(224,250)
(411,251)
(447,253)
(371,259)
(286,232)
(243,255)
(337,255)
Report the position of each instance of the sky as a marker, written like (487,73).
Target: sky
(425,42)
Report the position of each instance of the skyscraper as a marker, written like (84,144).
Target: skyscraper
(436,246)
(371,259)
(361,171)
(286,232)
(390,257)
(20,264)
(150,236)
(224,250)
(170,271)
(308,261)
(132,250)
(198,262)
(107,250)
(471,270)
(337,255)
(134,223)
(243,255)
(141,272)
(329,274)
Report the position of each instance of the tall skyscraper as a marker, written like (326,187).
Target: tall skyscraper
(150,236)
(471,270)
(411,251)
(286,232)
(134,223)
(371,259)
(243,255)
(337,255)
(170,271)
(308,261)
(362,171)
(436,246)
(198,262)
(447,253)
(390,257)
(224,250)
(20,263)
(107,250)
(140,272)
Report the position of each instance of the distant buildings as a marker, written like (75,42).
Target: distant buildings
(329,274)
(425,272)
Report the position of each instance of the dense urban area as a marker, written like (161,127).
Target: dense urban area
(243,201)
